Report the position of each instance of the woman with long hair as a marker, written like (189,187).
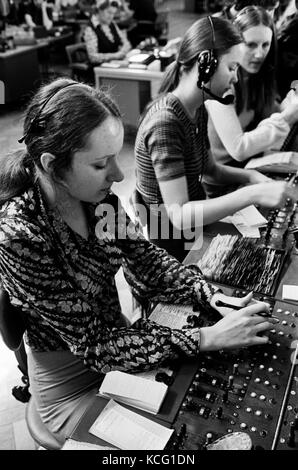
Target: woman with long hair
(254,123)
(172,149)
(59,254)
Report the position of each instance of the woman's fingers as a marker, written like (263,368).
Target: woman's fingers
(262,326)
(246,299)
(255,309)
(259,340)
(256,319)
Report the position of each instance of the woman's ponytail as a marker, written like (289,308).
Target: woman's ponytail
(16,174)
(171,78)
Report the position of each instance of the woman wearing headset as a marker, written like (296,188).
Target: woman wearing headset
(253,124)
(58,261)
(172,149)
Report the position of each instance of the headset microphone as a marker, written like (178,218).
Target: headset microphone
(207,65)
(229,99)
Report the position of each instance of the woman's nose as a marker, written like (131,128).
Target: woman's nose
(259,53)
(115,174)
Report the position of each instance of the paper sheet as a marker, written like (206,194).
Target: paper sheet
(133,390)
(71,444)
(247,221)
(170,315)
(128,430)
(249,217)
(290,292)
(249,232)
(280,162)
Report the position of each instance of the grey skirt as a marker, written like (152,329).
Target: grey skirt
(62,388)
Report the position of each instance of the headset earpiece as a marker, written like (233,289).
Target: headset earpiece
(207,64)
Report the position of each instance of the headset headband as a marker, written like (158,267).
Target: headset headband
(33,121)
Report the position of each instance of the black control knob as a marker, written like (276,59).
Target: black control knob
(235,369)
(230,381)
(188,404)
(219,411)
(225,396)
(175,445)
(291,438)
(182,431)
(209,437)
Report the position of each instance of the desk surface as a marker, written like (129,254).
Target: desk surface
(171,406)
(126,73)
(165,417)
(19,50)
(40,43)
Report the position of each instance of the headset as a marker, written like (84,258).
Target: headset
(35,125)
(207,65)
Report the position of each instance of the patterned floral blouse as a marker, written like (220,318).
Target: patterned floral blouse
(66,288)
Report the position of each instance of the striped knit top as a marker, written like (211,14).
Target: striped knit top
(170,145)
(65,284)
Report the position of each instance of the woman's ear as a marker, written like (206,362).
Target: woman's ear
(46,161)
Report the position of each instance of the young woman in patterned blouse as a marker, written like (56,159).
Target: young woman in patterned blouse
(104,40)
(172,149)
(59,254)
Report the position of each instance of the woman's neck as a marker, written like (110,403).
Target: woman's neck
(191,99)
(58,198)
(70,210)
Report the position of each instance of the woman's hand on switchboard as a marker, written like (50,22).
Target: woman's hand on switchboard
(226,304)
(239,328)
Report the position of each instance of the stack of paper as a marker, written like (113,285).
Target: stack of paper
(247,221)
(134,391)
(277,162)
(128,430)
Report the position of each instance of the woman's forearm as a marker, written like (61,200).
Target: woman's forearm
(224,174)
(199,213)
(267,194)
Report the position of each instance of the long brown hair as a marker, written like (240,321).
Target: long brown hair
(198,38)
(260,87)
(58,120)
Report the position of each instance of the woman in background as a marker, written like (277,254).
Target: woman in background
(104,40)
(254,123)
(36,13)
(172,148)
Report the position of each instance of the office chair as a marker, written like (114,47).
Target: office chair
(12,328)
(81,68)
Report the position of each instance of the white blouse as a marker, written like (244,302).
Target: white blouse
(228,139)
